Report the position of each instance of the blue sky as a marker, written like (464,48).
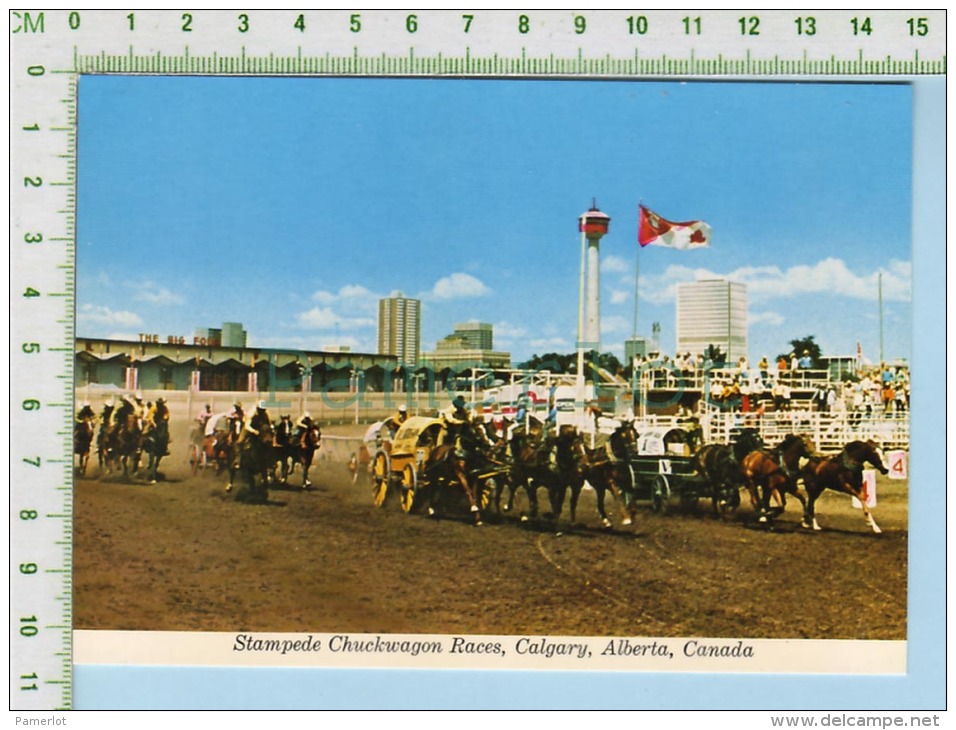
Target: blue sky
(292,205)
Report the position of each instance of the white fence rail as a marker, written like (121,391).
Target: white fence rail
(829,431)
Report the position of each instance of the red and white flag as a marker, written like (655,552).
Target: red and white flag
(656,231)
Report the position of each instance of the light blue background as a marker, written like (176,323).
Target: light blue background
(923,688)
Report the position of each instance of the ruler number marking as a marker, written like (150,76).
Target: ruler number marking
(29,687)
(299,24)
(637,24)
(411,23)
(355,23)
(243,23)
(918,26)
(29,628)
(861,26)
(806,26)
(691,23)
(132,21)
(187,23)
(524,24)
(580,24)
(749,26)
(74,20)
(467,19)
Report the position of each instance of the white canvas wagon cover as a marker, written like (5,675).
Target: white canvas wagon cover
(662,442)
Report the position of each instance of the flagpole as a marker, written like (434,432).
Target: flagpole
(635,380)
(579,380)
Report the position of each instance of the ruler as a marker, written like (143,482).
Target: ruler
(52,49)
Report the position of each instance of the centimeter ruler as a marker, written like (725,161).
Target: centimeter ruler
(52,49)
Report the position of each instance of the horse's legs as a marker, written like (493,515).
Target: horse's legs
(809,508)
(306,465)
(469,491)
(861,498)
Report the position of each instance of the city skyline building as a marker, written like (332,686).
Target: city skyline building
(399,328)
(712,312)
(476,335)
(233,334)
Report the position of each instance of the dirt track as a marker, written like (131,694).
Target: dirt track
(184,555)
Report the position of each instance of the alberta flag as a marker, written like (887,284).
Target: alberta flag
(656,231)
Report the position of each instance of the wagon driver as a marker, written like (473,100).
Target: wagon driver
(393,423)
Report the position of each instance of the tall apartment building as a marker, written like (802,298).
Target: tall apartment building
(399,328)
(712,312)
(476,335)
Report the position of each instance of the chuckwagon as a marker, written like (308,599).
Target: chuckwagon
(400,465)
(663,466)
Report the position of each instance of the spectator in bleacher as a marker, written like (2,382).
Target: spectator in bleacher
(806,362)
(794,362)
(764,366)
(781,365)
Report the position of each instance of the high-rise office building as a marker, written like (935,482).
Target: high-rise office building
(477,335)
(399,328)
(233,335)
(712,312)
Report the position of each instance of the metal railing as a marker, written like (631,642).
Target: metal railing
(830,432)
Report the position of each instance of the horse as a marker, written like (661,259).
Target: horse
(606,469)
(103,437)
(285,448)
(719,466)
(156,444)
(777,472)
(306,443)
(83,432)
(125,442)
(458,461)
(842,473)
(255,456)
(556,462)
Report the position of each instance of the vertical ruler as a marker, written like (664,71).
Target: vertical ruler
(52,49)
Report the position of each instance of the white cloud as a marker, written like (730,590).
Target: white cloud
(508,331)
(830,276)
(619,297)
(152,293)
(323,318)
(615,265)
(349,291)
(550,343)
(772,318)
(615,323)
(94,314)
(459,286)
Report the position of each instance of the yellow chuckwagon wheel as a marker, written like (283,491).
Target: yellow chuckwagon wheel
(381,470)
(409,487)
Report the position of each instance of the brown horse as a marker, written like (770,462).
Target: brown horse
(776,472)
(720,466)
(304,447)
(842,473)
(555,462)
(457,462)
(83,433)
(606,469)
